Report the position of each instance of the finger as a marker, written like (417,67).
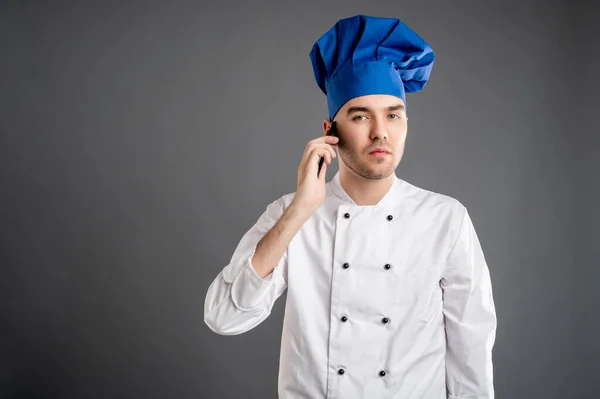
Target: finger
(310,148)
(320,154)
(328,138)
(313,146)
(314,158)
(331,140)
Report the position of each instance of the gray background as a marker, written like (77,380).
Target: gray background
(140,141)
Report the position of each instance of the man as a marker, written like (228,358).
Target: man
(389,294)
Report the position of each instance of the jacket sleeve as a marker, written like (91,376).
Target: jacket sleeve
(238,299)
(470,317)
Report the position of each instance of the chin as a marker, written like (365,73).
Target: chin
(376,173)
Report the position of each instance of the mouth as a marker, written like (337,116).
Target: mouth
(379,153)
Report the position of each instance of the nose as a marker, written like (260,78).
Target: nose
(378,129)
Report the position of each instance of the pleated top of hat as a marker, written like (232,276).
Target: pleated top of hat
(364,55)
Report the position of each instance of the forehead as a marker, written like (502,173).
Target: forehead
(373,101)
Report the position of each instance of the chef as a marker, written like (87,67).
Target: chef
(388,291)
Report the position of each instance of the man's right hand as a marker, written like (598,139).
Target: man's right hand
(310,193)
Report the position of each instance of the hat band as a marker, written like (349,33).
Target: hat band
(355,80)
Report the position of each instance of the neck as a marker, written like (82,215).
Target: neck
(365,192)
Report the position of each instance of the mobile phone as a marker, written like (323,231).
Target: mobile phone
(331,132)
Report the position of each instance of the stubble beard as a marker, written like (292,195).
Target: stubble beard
(351,159)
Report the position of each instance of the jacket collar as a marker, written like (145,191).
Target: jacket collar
(393,193)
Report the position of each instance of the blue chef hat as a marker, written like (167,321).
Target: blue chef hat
(364,55)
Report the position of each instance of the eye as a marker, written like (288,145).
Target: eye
(359,116)
(395,116)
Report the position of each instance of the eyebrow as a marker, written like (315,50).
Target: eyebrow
(352,110)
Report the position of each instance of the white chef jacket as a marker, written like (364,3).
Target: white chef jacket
(392,300)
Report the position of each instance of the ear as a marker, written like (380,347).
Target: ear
(326,126)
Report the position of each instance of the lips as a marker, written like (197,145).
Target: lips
(379,151)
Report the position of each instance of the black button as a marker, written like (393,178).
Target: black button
(346,215)
(341,371)
(387,266)
(382,373)
(345,265)
(344,318)
(385,320)
(390,217)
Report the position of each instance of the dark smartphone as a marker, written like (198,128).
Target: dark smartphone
(332,132)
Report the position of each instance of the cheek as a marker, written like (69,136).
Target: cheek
(352,144)
(400,138)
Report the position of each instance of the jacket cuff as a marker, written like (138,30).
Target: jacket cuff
(248,288)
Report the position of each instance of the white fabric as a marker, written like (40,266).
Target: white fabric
(437,295)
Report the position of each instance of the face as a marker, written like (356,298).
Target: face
(366,123)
